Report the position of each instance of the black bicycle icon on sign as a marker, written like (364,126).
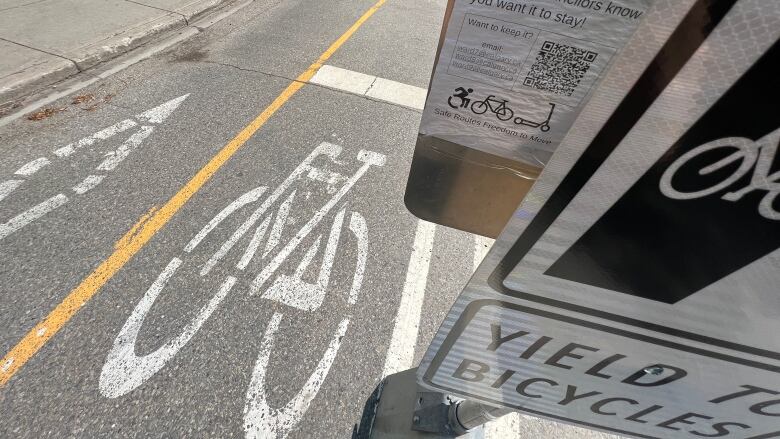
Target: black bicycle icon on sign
(498,107)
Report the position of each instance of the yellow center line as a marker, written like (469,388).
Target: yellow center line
(154,221)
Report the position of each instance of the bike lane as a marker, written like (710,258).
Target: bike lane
(225,99)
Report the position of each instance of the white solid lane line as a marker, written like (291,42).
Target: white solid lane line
(373,87)
(481,248)
(507,426)
(400,354)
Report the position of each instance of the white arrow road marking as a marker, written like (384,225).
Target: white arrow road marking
(158,114)
(8,186)
(154,116)
(31,215)
(103,134)
(32,167)
(88,184)
(114,158)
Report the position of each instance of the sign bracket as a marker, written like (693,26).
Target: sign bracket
(400,408)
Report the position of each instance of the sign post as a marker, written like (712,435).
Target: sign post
(636,290)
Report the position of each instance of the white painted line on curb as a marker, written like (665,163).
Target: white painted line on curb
(400,354)
(373,87)
(343,79)
(481,248)
(397,93)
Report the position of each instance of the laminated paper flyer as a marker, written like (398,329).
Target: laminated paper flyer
(513,75)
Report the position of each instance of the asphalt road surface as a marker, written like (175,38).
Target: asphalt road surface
(213,242)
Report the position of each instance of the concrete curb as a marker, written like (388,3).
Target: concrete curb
(89,56)
(35,77)
(47,94)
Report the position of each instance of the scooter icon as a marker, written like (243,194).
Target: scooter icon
(544,125)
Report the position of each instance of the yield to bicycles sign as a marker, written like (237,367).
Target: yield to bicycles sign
(637,288)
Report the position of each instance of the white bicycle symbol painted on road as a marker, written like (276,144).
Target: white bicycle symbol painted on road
(124,371)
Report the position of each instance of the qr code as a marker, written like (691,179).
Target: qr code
(559,68)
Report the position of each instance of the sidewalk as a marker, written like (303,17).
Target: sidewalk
(45,41)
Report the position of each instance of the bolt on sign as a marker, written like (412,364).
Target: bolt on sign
(636,290)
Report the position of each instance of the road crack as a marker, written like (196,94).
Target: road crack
(278,76)
(186,22)
(247,69)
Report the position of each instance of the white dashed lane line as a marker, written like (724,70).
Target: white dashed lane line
(372,87)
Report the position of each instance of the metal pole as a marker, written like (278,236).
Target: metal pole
(403,410)
(466,415)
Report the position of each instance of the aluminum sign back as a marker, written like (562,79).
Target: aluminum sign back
(636,290)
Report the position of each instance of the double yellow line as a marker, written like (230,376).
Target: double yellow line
(153,222)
